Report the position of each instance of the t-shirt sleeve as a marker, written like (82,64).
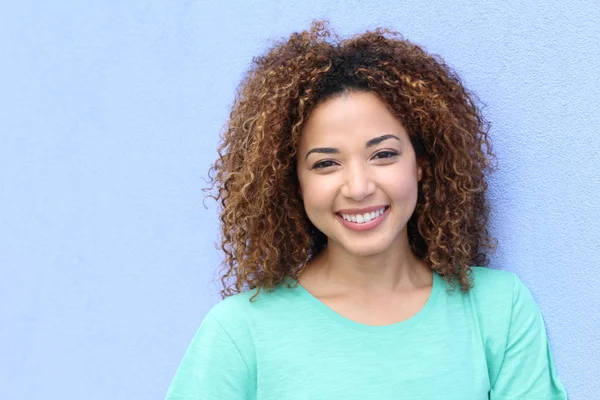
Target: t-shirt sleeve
(527,370)
(212,367)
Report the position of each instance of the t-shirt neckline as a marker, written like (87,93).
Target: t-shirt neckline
(436,287)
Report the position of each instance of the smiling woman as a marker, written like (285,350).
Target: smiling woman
(368,171)
(352,180)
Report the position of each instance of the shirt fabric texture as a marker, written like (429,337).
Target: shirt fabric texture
(489,343)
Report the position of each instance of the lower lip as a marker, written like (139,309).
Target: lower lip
(372,224)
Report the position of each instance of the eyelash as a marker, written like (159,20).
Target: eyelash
(319,165)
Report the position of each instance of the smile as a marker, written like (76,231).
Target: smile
(363,222)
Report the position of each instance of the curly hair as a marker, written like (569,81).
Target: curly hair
(265,232)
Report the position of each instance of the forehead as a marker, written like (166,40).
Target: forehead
(350,116)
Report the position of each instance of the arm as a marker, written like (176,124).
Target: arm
(212,367)
(527,370)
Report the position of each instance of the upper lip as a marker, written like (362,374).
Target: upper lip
(360,210)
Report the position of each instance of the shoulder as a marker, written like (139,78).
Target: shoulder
(515,338)
(486,279)
(226,330)
(220,361)
(493,286)
(242,317)
(495,297)
(503,306)
(250,304)
(242,313)
(232,308)
(231,314)
(496,293)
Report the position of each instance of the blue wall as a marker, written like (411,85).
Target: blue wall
(109,119)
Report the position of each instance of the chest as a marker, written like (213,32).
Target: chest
(435,366)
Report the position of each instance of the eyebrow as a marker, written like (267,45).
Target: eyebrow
(370,143)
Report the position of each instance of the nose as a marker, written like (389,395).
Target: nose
(358,184)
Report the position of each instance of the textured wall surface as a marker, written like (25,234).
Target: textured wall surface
(109,120)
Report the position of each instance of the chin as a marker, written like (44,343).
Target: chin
(366,249)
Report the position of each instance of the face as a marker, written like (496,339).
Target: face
(358,174)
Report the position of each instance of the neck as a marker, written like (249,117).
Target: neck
(397,270)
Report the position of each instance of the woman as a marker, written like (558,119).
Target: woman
(352,183)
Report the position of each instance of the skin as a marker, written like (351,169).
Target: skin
(370,276)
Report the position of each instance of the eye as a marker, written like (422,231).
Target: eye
(323,164)
(385,154)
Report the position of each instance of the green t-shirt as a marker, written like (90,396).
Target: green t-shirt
(489,343)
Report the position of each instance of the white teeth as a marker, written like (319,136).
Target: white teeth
(362,218)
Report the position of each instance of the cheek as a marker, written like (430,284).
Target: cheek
(404,191)
(318,195)
(402,185)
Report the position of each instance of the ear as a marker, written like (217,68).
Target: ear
(419,173)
